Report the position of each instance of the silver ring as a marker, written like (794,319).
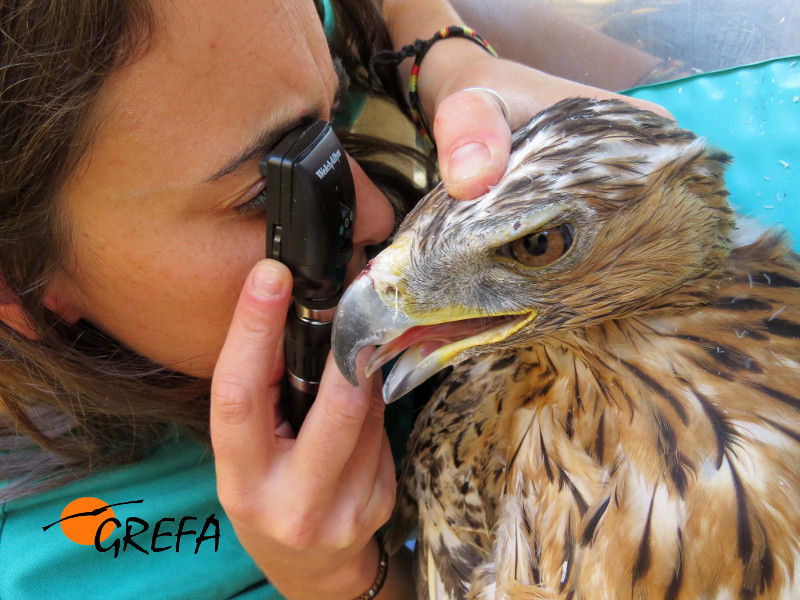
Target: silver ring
(498,97)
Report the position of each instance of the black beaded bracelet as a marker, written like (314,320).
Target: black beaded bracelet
(419,49)
(380,576)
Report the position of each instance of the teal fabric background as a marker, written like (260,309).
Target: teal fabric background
(352,103)
(752,112)
(328,18)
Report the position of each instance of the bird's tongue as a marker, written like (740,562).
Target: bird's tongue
(426,339)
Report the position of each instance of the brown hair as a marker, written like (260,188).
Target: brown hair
(75,400)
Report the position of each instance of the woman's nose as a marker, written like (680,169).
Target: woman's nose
(374,213)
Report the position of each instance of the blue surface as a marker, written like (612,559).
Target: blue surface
(752,112)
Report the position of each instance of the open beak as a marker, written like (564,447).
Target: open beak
(364,319)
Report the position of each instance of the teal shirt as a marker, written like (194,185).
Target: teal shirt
(175,482)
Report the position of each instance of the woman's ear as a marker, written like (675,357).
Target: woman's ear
(56,299)
(11,314)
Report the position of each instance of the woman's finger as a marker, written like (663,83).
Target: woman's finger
(243,396)
(473,139)
(382,500)
(363,468)
(332,429)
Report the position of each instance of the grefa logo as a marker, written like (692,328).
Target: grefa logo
(329,164)
(91,521)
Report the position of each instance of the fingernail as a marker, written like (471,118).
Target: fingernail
(468,160)
(267,281)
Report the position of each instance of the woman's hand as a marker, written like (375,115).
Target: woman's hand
(472,134)
(305,509)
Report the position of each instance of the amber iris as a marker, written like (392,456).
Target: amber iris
(541,248)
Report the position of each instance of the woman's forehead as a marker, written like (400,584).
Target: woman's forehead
(218,75)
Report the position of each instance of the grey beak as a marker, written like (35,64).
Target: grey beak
(363,319)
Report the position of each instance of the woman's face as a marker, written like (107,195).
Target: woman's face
(161,245)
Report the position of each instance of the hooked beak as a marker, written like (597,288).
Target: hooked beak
(363,319)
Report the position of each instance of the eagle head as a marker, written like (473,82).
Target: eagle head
(604,211)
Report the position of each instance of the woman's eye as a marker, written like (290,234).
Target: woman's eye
(540,248)
(257,201)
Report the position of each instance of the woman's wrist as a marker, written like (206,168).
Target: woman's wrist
(356,577)
(525,90)
(452,64)
(345,580)
(399,583)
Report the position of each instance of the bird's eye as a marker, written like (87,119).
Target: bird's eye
(540,248)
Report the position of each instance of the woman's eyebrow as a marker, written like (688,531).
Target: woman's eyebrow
(260,144)
(269,137)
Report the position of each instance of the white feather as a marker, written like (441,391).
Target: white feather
(748,231)
(435,585)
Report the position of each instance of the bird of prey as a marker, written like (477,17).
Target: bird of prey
(623,420)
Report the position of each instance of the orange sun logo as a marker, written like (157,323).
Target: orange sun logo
(81,518)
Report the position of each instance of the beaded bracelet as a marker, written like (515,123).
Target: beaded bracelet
(419,49)
(383,569)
